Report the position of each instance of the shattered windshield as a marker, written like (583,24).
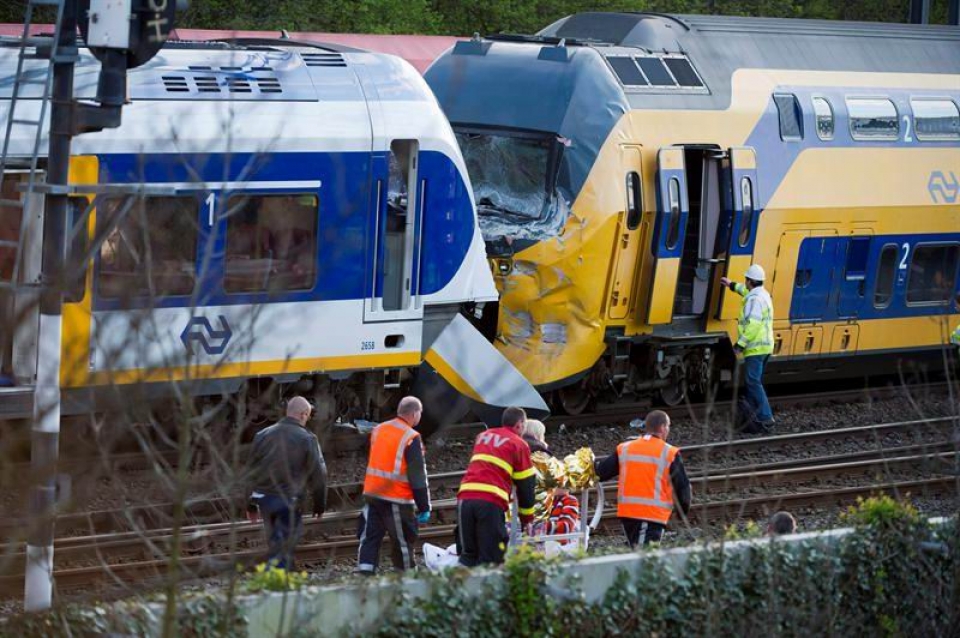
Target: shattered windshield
(513,184)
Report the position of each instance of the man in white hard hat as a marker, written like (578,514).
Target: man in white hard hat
(755,343)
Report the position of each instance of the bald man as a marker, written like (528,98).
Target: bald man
(395,492)
(285,460)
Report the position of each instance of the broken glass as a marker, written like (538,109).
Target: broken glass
(513,185)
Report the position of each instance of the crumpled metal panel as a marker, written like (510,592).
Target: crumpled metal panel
(478,371)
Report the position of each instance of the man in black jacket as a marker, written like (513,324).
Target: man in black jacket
(285,460)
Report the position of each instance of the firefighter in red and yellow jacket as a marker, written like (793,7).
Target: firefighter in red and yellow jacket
(395,482)
(651,479)
(500,461)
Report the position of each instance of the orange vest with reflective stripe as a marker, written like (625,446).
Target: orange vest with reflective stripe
(644,490)
(387,470)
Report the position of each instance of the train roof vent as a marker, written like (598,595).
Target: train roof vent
(246,82)
(658,72)
(175,84)
(323,59)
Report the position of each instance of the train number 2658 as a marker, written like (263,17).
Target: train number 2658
(368,345)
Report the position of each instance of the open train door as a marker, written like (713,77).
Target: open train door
(393,291)
(668,233)
(739,232)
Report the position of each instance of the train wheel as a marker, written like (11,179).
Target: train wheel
(572,399)
(675,392)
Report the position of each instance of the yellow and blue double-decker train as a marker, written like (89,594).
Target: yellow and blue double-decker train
(623,163)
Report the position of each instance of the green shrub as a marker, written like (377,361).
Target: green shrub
(269,577)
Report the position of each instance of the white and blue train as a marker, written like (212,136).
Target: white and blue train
(269,214)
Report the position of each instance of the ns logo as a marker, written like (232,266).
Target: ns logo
(199,330)
(944,187)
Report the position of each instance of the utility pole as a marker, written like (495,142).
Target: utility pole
(122,34)
(45,433)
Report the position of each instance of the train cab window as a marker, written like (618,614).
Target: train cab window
(271,243)
(873,119)
(933,274)
(746,218)
(627,71)
(791,117)
(936,120)
(656,72)
(886,276)
(824,114)
(149,246)
(673,224)
(634,200)
(683,71)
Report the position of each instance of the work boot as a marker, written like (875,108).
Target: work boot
(753,427)
(767,426)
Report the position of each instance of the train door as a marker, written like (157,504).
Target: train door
(629,232)
(741,217)
(781,287)
(669,229)
(698,256)
(814,278)
(851,284)
(397,229)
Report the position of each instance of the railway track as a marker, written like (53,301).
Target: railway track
(347,495)
(346,439)
(202,545)
(195,566)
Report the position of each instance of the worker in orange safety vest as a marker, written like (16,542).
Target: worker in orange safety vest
(395,483)
(651,479)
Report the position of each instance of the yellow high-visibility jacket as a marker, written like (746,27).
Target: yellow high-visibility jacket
(755,326)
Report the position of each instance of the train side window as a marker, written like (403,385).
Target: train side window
(271,243)
(824,114)
(746,218)
(933,274)
(886,276)
(791,117)
(634,200)
(936,119)
(673,224)
(149,246)
(857,252)
(873,119)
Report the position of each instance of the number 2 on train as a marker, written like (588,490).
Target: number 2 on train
(906,251)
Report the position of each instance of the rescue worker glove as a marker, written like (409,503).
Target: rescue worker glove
(423,517)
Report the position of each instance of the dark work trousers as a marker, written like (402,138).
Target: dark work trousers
(481,532)
(379,518)
(283,527)
(635,529)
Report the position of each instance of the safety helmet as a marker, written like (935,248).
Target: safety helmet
(755,272)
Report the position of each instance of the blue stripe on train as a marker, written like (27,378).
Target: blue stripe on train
(775,156)
(346,218)
(840,278)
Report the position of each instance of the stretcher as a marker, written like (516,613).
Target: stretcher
(554,544)
(438,558)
